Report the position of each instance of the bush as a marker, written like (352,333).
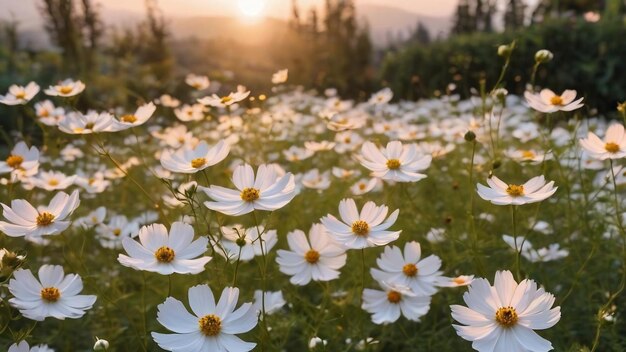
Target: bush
(588,57)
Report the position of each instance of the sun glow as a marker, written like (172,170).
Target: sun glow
(251,8)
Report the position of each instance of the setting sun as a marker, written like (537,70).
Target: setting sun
(251,8)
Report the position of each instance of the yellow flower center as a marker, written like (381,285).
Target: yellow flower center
(393,164)
(50,294)
(226,99)
(394,296)
(198,162)
(506,316)
(458,280)
(45,219)
(409,269)
(312,256)
(556,100)
(118,232)
(20,95)
(611,147)
(515,190)
(164,254)
(78,129)
(528,154)
(66,89)
(44,113)
(14,161)
(129,118)
(91,181)
(362,186)
(360,228)
(250,194)
(53,182)
(210,325)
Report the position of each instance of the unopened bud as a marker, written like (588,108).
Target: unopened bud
(241,241)
(496,164)
(542,56)
(505,50)
(100,345)
(470,136)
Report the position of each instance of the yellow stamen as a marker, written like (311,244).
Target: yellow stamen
(250,194)
(198,162)
(528,154)
(14,161)
(410,269)
(164,254)
(210,325)
(312,256)
(393,164)
(45,219)
(226,99)
(506,316)
(556,100)
(53,182)
(129,118)
(515,190)
(20,95)
(65,89)
(612,147)
(118,232)
(360,228)
(50,294)
(394,296)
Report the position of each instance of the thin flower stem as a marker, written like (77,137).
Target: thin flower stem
(237,269)
(475,252)
(144,313)
(518,250)
(602,311)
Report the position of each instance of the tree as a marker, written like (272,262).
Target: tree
(514,14)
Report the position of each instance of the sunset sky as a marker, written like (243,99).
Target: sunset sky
(271,8)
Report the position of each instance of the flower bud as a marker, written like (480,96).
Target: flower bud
(100,345)
(240,241)
(470,136)
(496,164)
(505,50)
(622,107)
(9,262)
(542,56)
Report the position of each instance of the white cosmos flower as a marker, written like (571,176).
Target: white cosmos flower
(387,306)
(24,347)
(395,162)
(228,100)
(197,82)
(66,88)
(22,161)
(502,317)
(410,270)
(461,280)
(280,76)
(188,113)
(547,101)
(211,327)
(53,295)
(52,180)
(367,229)
(91,122)
(48,114)
(141,115)
(274,301)
(319,146)
(498,192)
(613,146)
(364,185)
(315,180)
(381,97)
(165,253)
(319,258)
(267,192)
(189,161)
(19,95)
(25,220)
(244,244)
(112,233)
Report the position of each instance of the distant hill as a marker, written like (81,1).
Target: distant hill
(386,20)
(383,21)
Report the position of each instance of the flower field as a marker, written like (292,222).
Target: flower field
(298,221)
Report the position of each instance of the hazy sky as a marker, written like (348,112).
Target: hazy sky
(273,8)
